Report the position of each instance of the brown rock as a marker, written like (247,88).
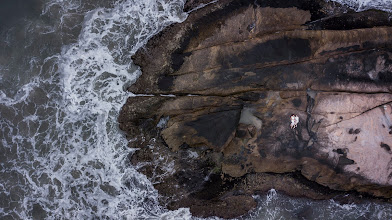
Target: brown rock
(236,71)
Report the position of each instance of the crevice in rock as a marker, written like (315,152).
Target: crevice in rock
(177,94)
(285,62)
(188,9)
(337,195)
(351,20)
(359,114)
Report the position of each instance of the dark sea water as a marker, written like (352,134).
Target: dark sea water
(64,67)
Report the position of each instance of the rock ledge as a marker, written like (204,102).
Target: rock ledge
(215,128)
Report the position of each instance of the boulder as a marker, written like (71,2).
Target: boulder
(215,126)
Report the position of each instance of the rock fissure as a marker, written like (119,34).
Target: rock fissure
(174,94)
(282,63)
(361,113)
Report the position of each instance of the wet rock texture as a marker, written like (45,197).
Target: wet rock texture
(215,128)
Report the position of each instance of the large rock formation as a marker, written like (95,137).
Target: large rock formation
(212,118)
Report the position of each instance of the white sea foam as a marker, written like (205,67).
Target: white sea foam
(275,205)
(177,214)
(163,122)
(71,160)
(95,71)
(361,5)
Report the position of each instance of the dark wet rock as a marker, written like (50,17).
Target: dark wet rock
(385,146)
(345,161)
(235,71)
(352,20)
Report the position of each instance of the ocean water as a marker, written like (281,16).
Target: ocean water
(63,74)
(64,67)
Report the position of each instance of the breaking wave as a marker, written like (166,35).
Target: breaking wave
(361,5)
(65,157)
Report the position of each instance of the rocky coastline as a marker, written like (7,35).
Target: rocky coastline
(211,115)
